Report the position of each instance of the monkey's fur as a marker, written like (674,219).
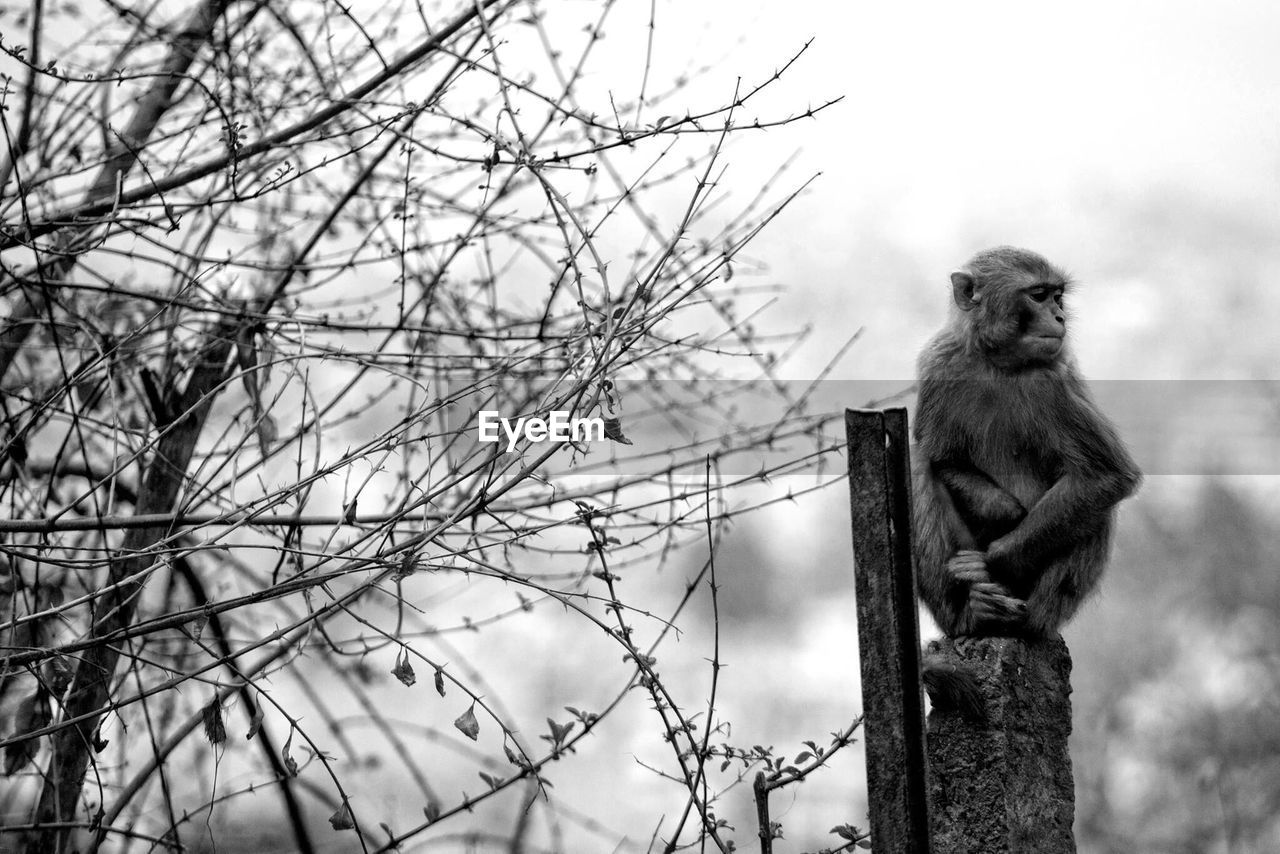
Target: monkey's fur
(1018,473)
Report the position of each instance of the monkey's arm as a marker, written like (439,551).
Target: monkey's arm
(1097,474)
(1077,504)
(987,510)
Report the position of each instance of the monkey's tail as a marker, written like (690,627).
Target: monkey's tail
(951,686)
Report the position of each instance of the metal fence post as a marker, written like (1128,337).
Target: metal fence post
(888,633)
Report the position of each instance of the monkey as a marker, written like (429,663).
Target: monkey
(1018,473)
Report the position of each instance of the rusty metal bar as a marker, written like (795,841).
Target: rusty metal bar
(888,632)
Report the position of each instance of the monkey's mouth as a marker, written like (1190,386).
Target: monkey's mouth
(1043,347)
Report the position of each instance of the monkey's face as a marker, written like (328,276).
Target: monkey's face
(1042,323)
(1010,303)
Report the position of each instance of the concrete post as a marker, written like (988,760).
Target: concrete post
(1005,786)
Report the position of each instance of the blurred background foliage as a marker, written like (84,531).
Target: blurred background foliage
(1137,144)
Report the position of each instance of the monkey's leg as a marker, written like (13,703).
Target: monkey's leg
(1064,584)
(987,510)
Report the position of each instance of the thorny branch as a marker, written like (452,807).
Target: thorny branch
(247,336)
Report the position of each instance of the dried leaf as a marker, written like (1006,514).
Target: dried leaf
(403,670)
(468,725)
(290,764)
(255,723)
(342,819)
(408,566)
(214,730)
(613,430)
(439,681)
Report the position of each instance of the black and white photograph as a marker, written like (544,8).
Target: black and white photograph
(639,427)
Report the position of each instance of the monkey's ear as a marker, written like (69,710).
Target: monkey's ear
(964,290)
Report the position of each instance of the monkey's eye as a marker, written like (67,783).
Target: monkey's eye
(1040,293)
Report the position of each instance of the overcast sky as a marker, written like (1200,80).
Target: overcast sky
(1097,133)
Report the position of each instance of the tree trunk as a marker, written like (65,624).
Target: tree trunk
(90,692)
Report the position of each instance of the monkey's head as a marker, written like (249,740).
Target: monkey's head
(1010,303)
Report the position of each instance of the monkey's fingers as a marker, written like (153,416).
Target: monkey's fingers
(991,588)
(968,566)
(995,608)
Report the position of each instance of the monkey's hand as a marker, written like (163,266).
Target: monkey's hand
(968,567)
(993,610)
(988,607)
(1007,562)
